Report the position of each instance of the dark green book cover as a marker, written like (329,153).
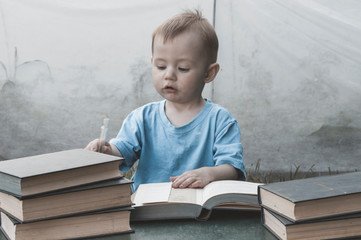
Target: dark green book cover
(315,188)
(287,222)
(93,214)
(14,171)
(336,227)
(77,191)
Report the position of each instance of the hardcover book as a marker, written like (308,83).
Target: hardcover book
(47,172)
(92,224)
(344,226)
(94,196)
(312,198)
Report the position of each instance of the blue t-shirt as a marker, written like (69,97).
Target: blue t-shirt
(211,139)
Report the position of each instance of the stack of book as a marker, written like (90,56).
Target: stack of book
(64,195)
(327,207)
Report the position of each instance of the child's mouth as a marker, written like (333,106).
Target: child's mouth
(169,89)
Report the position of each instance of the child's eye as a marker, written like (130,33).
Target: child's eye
(183,69)
(161,67)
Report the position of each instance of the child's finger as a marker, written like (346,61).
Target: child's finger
(93,145)
(196,184)
(177,181)
(189,183)
(172,179)
(184,182)
(107,149)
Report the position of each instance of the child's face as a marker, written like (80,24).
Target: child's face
(179,67)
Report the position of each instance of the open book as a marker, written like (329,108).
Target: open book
(155,201)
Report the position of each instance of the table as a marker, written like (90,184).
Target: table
(223,224)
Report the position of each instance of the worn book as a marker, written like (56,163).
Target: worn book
(94,196)
(344,226)
(48,172)
(92,224)
(312,198)
(155,201)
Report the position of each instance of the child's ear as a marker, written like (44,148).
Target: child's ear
(151,59)
(211,72)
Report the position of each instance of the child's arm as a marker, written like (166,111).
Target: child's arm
(107,148)
(199,178)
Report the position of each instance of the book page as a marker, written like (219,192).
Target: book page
(186,195)
(152,193)
(229,186)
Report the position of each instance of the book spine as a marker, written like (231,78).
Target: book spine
(262,216)
(280,214)
(3,234)
(10,184)
(259,195)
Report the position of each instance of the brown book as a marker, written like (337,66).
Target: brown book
(95,196)
(344,226)
(156,201)
(92,224)
(313,198)
(48,172)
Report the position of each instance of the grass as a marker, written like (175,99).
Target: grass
(256,175)
(129,174)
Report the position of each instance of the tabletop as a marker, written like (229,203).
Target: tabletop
(223,224)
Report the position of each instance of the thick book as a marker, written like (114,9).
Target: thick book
(94,196)
(91,224)
(344,226)
(155,201)
(48,172)
(312,198)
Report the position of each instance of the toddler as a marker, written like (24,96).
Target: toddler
(184,138)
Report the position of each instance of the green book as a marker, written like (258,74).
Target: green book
(85,198)
(53,171)
(313,198)
(343,226)
(85,225)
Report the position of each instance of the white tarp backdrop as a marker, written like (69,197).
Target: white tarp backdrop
(290,74)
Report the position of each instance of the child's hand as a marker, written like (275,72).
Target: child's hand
(94,146)
(197,178)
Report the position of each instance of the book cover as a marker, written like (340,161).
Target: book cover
(315,197)
(86,225)
(52,171)
(343,226)
(90,197)
(3,235)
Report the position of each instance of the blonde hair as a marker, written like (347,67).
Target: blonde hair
(186,21)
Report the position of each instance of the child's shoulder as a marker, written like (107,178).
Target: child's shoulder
(221,117)
(150,106)
(218,109)
(148,109)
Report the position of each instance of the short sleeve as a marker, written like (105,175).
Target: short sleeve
(228,148)
(128,140)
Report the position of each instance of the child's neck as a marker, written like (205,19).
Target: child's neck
(180,114)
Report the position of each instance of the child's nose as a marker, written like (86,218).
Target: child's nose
(170,74)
